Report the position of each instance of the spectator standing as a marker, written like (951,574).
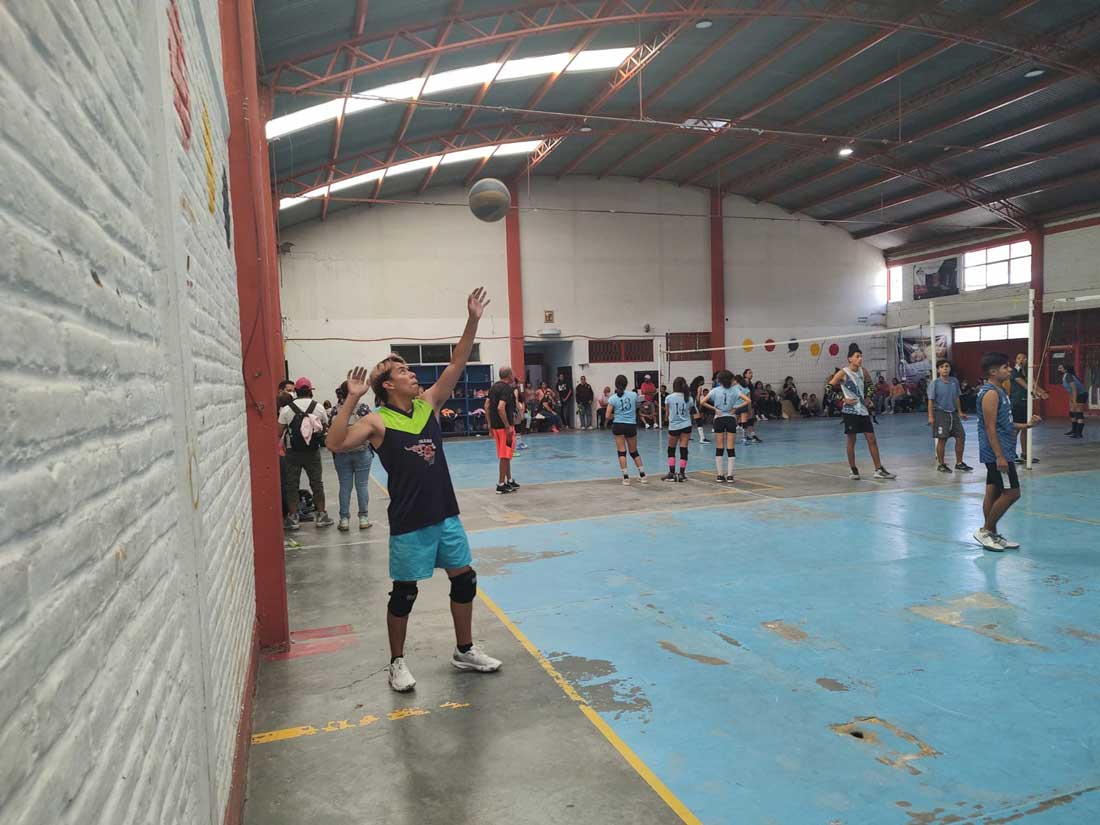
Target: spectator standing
(601,408)
(565,400)
(584,397)
(353,467)
(648,388)
(302,421)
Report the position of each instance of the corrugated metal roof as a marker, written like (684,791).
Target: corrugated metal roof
(291,28)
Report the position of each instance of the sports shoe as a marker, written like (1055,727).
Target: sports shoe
(521,445)
(966,468)
(943,468)
(343,525)
(669,476)
(756,439)
(704,441)
(502,489)
(746,440)
(988,540)
(643,478)
(291,544)
(323,520)
(1008,544)
(1071,432)
(853,474)
(291,523)
(682,477)
(364,523)
(720,479)
(729,480)
(882,472)
(626,481)
(474,659)
(401,679)
(512,483)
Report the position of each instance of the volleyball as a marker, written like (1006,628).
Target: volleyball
(489,199)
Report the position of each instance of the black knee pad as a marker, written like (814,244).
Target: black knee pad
(402,597)
(464,587)
(622,453)
(752,421)
(635,454)
(671,452)
(731,452)
(717,452)
(684,453)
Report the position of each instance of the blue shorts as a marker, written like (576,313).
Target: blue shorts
(414,556)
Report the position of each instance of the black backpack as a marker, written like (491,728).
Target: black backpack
(294,431)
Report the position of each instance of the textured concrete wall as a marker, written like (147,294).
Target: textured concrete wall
(126,585)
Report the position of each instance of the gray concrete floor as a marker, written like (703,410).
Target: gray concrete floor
(469,748)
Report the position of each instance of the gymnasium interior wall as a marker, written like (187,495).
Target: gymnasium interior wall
(126,577)
(359,275)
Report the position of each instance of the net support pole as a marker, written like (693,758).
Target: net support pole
(1030,371)
(934,372)
(660,377)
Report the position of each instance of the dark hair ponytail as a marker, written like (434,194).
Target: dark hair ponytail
(725,378)
(681,386)
(620,385)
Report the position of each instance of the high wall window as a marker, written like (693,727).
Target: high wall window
(893,289)
(614,351)
(688,341)
(991,332)
(431,353)
(997,266)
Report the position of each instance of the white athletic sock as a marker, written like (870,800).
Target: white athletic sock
(701,436)
(729,463)
(718,463)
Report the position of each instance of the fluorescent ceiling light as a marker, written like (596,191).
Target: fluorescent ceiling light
(286,203)
(844,151)
(468,154)
(405,90)
(520,148)
(1038,71)
(593,59)
(534,66)
(457,78)
(704,23)
(705,123)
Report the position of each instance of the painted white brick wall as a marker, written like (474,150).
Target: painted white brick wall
(126,586)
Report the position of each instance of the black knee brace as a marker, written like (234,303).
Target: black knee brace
(622,453)
(683,453)
(464,587)
(402,597)
(751,422)
(635,454)
(717,452)
(671,452)
(731,452)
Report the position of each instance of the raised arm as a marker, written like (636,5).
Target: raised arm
(340,436)
(441,390)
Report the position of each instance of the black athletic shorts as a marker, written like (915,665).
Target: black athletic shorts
(725,424)
(997,478)
(681,431)
(1019,412)
(855,424)
(626,430)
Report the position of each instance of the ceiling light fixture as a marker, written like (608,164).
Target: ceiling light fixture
(704,23)
(585,128)
(1038,71)
(845,151)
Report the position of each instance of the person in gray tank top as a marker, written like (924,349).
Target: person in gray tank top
(851,381)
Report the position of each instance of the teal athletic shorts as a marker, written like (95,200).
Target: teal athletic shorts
(414,556)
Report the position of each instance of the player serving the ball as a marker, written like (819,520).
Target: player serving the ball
(425,532)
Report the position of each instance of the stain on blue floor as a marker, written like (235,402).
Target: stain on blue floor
(577,456)
(737,648)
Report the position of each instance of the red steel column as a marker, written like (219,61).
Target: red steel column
(515,288)
(258,293)
(717,282)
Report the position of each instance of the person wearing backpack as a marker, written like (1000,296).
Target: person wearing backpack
(303,421)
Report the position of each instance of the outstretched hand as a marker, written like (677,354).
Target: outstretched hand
(477,302)
(357,383)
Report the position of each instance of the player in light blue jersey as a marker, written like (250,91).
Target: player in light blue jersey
(726,402)
(679,409)
(622,412)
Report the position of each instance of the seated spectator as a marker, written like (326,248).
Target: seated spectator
(812,407)
(546,415)
(601,407)
(803,405)
(647,412)
(882,392)
(899,400)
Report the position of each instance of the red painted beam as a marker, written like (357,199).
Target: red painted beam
(515,286)
(338,128)
(717,282)
(260,315)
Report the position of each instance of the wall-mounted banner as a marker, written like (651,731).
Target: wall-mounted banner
(936,279)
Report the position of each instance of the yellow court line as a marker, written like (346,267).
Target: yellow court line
(642,769)
(283,734)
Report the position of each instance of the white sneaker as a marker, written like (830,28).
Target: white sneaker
(1008,544)
(854,475)
(343,525)
(474,659)
(882,472)
(401,679)
(644,479)
(626,481)
(988,540)
(364,523)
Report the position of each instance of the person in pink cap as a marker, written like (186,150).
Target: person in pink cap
(303,420)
